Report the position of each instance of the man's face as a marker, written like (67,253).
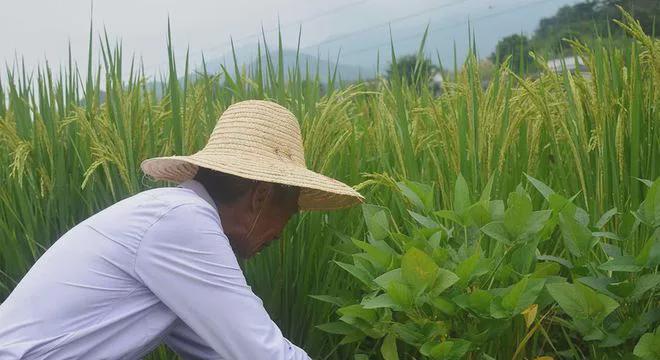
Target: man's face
(259,218)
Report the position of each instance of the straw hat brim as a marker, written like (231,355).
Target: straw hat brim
(317,192)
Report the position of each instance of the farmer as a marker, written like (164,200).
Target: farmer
(161,266)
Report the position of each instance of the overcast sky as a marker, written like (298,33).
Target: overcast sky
(41,29)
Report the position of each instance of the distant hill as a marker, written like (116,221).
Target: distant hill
(247,57)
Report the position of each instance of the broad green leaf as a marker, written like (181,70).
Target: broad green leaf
(517,298)
(622,289)
(558,260)
(606,217)
(378,257)
(447,350)
(650,253)
(562,205)
(577,237)
(388,348)
(418,269)
(624,263)
(445,306)
(360,357)
(479,213)
(649,209)
(384,280)
(644,284)
(351,338)
(408,332)
(425,221)
(497,231)
(444,281)
(400,293)
(337,327)
(648,346)
(461,195)
(472,267)
(420,195)
(544,189)
(358,311)
(380,301)
(581,302)
(449,214)
(376,218)
(546,269)
(485,194)
(599,284)
(518,212)
(357,272)
(477,301)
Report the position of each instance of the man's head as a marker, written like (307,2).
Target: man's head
(253,213)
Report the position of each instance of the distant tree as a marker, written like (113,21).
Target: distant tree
(405,68)
(517,46)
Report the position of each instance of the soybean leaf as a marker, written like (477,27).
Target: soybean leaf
(471,267)
(388,349)
(485,194)
(558,260)
(420,195)
(378,257)
(446,350)
(497,231)
(376,218)
(648,346)
(517,297)
(424,220)
(384,280)
(380,301)
(621,289)
(650,253)
(644,284)
(477,301)
(518,213)
(445,306)
(418,269)
(400,293)
(577,237)
(624,263)
(337,327)
(357,272)
(461,195)
(444,281)
(581,302)
(649,209)
(606,217)
(449,214)
(544,189)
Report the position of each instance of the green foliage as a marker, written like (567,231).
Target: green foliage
(446,291)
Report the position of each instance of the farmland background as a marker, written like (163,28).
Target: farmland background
(72,143)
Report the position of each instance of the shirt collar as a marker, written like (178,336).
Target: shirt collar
(200,190)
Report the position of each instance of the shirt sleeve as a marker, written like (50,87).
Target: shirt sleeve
(187,262)
(187,344)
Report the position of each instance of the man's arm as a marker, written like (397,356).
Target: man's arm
(187,344)
(187,262)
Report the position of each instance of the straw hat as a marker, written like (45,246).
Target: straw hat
(258,140)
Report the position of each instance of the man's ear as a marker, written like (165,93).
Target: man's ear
(260,195)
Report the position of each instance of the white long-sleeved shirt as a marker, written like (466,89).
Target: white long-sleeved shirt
(156,267)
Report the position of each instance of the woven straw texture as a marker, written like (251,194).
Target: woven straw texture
(258,140)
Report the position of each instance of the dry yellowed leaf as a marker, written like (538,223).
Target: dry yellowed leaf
(530,314)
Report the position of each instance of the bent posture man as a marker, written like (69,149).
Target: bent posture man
(161,267)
